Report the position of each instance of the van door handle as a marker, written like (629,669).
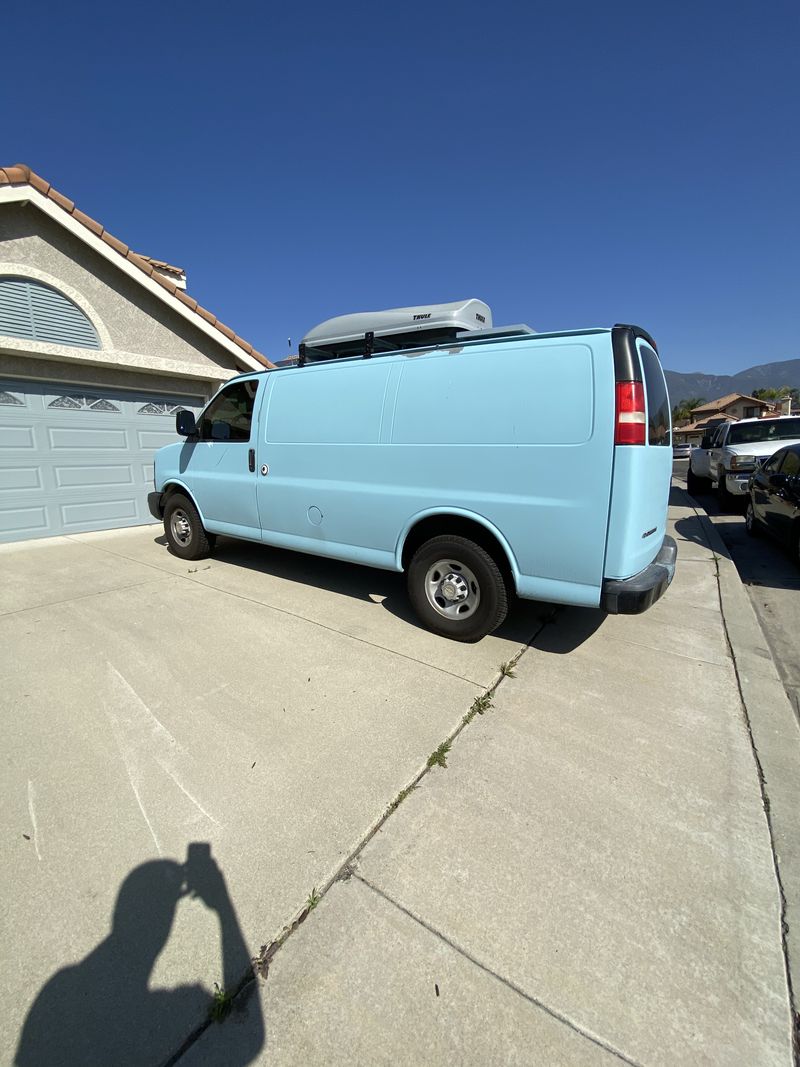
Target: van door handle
(251,460)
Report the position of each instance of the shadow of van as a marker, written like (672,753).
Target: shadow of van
(525,620)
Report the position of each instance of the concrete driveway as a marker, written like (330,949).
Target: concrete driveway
(593,875)
(270,704)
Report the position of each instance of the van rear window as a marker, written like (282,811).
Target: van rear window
(658,416)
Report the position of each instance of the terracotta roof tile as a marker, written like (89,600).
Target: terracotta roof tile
(19,174)
(115,244)
(55,195)
(88,222)
(729,398)
(159,264)
(16,175)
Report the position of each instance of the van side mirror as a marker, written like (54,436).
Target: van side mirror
(185,424)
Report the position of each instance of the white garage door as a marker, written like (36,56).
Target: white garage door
(74,458)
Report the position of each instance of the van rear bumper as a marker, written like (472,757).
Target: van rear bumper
(632,596)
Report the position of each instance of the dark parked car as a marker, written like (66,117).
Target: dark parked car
(774,498)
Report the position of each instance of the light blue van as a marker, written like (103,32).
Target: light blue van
(483,463)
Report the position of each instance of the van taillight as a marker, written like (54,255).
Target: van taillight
(630,419)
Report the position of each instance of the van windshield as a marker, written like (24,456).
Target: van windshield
(748,433)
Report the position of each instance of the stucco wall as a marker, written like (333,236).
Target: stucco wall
(17,366)
(128,318)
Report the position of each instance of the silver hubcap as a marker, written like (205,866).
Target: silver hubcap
(452,589)
(180,527)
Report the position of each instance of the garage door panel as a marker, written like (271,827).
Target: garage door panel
(85,439)
(86,515)
(91,475)
(150,440)
(74,459)
(17,437)
(20,478)
(20,520)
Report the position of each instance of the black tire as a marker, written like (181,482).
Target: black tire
(726,499)
(695,484)
(751,523)
(467,566)
(184,531)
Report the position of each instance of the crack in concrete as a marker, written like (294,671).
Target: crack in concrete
(552,1012)
(73,599)
(261,963)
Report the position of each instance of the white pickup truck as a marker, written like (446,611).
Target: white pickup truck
(730,452)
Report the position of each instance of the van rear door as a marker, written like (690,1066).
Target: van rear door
(642,455)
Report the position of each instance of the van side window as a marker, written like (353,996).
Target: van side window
(658,415)
(230,414)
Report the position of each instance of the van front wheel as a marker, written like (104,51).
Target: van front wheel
(183,529)
(456,588)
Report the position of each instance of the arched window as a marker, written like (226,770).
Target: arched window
(37,312)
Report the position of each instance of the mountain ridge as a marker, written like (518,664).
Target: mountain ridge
(682,386)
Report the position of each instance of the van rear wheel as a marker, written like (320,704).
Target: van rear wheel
(456,588)
(184,530)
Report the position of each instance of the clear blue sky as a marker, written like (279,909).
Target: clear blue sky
(573,164)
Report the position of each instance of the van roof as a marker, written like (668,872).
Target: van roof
(465,340)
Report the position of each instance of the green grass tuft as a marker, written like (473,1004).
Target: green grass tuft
(220,1005)
(438,758)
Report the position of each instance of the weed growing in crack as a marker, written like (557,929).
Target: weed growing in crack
(479,706)
(438,758)
(401,796)
(220,1005)
(507,670)
(313,899)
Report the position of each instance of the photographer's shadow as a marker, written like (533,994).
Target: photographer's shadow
(101,1011)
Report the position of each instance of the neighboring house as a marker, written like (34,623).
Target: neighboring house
(730,408)
(693,432)
(99,347)
(734,405)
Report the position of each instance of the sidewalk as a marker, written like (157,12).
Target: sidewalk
(589,880)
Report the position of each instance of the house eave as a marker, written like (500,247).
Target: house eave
(26,194)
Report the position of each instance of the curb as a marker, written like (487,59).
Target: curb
(775,737)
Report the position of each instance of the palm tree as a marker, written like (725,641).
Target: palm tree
(682,412)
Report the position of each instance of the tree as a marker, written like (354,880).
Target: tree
(682,412)
(777,394)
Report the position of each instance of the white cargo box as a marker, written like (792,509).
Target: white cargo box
(395,328)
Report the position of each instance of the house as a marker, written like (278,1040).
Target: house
(730,408)
(99,347)
(734,405)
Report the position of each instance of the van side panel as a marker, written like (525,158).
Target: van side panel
(518,435)
(320,438)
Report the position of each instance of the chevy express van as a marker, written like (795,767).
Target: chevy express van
(484,465)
